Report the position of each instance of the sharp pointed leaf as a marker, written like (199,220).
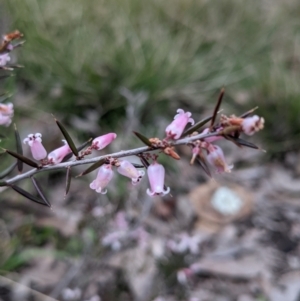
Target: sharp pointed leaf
(138,165)
(232,139)
(12,67)
(27,195)
(144,161)
(84,145)
(39,191)
(23,159)
(196,126)
(5,76)
(229,130)
(143,138)
(92,167)
(217,108)
(68,180)
(19,148)
(244,142)
(201,160)
(8,170)
(4,97)
(67,137)
(19,44)
(79,148)
(246,114)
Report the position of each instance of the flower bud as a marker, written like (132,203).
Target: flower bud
(58,154)
(102,141)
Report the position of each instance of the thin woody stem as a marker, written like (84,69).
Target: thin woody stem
(130,152)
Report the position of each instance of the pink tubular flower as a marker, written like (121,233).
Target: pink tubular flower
(176,127)
(37,149)
(216,158)
(58,154)
(104,176)
(7,109)
(156,175)
(5,120)
(253,124)
(6,113)
(128,170)
(4,58)
(102,141)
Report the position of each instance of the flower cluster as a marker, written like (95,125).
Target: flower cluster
(6,46)
(202,143)
(228,127)
(204,148)
(39,152)
(155,171)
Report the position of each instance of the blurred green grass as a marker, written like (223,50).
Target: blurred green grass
(79,53)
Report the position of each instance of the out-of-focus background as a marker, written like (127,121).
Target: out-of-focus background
(116,66)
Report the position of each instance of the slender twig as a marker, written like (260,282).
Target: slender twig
(120,154)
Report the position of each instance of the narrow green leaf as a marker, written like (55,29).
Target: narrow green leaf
(27,195)
(143,138)
(196,126)
(241,142)
(68,180)
(79,148)
(204,166)
(19,148)
(23,159)
(3,184)
(84,145)
(39,191)
(19,44)
(6,76)
(8,170)
(203,163)
(4,97)
(12,67)
(144,161)
(92,167)
(218,104)
(67,137)
(138,165)
(246,114)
